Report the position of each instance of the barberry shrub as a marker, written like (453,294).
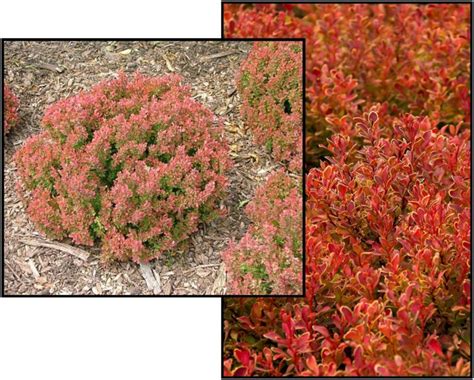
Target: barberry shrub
(387,270)
(268,259)
(10,109)
(388,200)
(132,165)
(270,86)
(409,58)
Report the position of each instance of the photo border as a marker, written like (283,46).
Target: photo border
(161,40)
(236,2)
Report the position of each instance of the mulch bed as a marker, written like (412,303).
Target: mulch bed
(40,73)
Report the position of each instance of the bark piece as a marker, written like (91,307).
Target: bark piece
(80,253)
(48,66)
(151,277)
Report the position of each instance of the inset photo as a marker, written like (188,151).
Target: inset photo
(153,167)
(388,209)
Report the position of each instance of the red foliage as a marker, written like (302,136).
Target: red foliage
(10,106)
(410,58)
(387,270)
(270,85)
(268,259)
(132,164)
(388,202)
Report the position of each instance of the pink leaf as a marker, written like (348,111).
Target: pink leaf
(312,365)
(322,330)
(273,336)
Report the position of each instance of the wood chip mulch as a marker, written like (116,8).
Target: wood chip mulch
(40,73)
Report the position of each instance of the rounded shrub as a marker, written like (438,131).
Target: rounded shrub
(268,259)
(10,104)
(132,165)
(270,85)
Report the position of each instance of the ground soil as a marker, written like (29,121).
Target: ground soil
(40,73)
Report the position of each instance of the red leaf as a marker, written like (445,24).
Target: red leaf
(246,323)
(231,26)
(243,356)
(301,344)
(327,172)
(373,117)
(240,372)
(347,313)
(227,16)
(435,346)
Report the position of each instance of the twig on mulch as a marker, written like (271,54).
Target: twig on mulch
(168,63)
(13,271)
(152,278)
(201,266)
(47,66)
(218,55)
(80,253)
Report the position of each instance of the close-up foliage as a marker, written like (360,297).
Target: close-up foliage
(388,212)
(133,165)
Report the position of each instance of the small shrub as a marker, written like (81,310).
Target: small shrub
(268,259)
(270,85)
(133,165)
(10,104)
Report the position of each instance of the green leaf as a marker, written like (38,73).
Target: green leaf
(269,145)
(243,203)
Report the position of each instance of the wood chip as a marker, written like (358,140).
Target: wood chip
(167,288)
(152,279)
(218,55)
(203,272)
(218,287)
(47,66)
(168,63)
(80,253)
(34,271)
